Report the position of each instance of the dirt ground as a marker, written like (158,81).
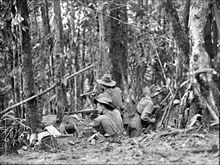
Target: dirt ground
(156,148)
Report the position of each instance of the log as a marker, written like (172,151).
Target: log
(45,91)
(26,100)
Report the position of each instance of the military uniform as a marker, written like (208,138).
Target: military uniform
(110,121)
(145,108)
(116,95)
(135,126)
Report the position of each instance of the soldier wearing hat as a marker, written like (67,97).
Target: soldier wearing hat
(143,116)
(111,91)
(109,121)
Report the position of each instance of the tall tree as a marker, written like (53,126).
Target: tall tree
(118,41)
(103,30)
(27,66)
(200,69)
(180,37)
(58,53)
(45,17)
(15,79)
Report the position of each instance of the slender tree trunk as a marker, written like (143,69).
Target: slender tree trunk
(45,17)
(45,20)
(72,47)
(46,38)
(208,30)
(217,14)
(27,67)
(118,41)
(104,26)
(15,78)
(141,69)
(216,37)
(58,53)
(201,73)
(186,15)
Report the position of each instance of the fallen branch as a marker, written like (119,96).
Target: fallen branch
(26,100)
(83,70)
(45,91)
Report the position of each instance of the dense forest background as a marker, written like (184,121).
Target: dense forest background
(169,45)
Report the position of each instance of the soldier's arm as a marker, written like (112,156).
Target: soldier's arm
(148,109)
(96,122)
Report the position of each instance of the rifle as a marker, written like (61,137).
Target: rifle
(88,93)
(86,111)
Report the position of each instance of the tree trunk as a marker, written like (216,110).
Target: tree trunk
(141,68)
(16,86)
(58,53)
(200,71)
(45,17)
(104,26)
(118,41)
(216,34)
(181,39)
(186,15)
(27,67)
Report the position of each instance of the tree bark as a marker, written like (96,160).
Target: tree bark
(45,17)
(104,26)
(15,78)
(180,37)
(186,15)
(201,74)
(118,41)
(27,66)
(58,53)
(141,68)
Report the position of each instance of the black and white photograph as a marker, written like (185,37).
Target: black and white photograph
(109,82)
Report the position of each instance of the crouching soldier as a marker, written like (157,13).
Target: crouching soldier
(109,122)
(145,108)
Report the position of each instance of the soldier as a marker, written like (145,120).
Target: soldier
(142,118)
(145,108)
(109,120)
(111,91)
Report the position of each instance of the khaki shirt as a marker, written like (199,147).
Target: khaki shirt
(115,94)
(111,122)
(145,105)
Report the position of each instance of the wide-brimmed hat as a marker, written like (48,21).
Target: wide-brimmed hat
(107,80)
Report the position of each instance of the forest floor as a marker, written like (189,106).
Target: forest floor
(156,148)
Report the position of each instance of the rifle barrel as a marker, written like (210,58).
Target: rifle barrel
(85,111)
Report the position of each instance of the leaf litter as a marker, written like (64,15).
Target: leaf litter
(160,147)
